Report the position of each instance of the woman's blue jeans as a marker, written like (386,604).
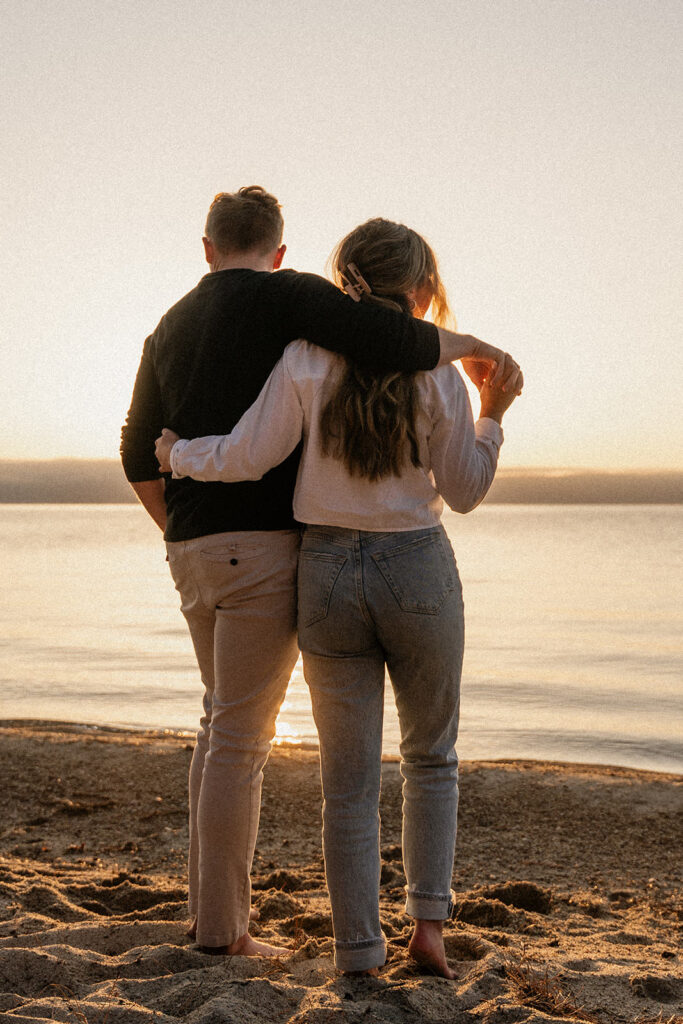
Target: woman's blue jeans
(366,601)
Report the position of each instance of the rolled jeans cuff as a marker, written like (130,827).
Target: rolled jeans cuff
(360,956)
(427,906)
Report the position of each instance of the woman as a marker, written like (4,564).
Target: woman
(378,583)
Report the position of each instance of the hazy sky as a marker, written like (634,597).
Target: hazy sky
(534,143)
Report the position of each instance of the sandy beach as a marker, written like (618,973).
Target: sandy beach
(567,877)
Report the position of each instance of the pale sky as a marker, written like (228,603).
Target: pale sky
(535,143)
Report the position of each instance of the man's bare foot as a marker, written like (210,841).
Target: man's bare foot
(192,930)
(426,948)
(246,946)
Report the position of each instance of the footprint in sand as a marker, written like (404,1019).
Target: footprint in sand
(484,913)
(287,881)
(276,905)
(662,989)
(310,924)
(522,895)
(124,896)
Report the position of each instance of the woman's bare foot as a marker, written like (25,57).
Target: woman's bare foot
(192,930)
(426,948)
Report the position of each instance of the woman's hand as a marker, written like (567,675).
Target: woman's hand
(495,400)
(162,448)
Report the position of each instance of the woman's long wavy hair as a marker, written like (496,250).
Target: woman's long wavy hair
(370,422)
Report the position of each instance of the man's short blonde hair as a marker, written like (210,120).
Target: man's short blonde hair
(245,220)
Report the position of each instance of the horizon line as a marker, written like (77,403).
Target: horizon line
(554,469)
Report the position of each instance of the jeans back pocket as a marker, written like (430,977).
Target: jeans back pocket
(420,573)
(318,573)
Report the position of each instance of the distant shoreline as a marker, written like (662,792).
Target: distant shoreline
(295,748)
(101,481)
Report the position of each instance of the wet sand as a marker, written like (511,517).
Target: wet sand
(568,880)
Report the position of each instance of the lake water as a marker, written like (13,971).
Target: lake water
(574,630)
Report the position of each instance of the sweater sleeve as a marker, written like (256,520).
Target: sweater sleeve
(464,455)
(365,332)
(265,435)
(143,423)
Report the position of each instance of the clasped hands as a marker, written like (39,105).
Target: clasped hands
(492,367)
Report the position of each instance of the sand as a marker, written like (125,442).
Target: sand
(567,876)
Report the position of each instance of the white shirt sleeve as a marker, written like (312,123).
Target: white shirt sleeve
(266,434)
(464,456)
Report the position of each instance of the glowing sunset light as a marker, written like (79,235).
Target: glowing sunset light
(531,143)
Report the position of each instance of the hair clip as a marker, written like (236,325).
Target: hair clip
(354,282)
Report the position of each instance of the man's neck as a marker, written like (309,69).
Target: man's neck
(242,261)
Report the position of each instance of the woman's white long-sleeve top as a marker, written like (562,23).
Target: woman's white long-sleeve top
(458,458)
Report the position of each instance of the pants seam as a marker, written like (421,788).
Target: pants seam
(358,575)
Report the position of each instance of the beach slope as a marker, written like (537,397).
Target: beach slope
(567,876)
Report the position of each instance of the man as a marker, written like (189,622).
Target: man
(232,548)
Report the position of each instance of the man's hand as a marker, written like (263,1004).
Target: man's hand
(482,362)
(151,495)
(162,448)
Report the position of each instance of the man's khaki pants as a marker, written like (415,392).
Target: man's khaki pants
(238,595)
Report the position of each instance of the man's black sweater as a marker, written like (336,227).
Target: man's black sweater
(210,356)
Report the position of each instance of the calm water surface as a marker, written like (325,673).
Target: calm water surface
(574,630)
